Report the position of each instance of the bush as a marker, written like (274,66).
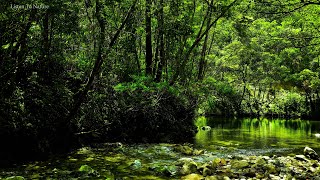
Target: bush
(218,98)
(141,111)
(288,104)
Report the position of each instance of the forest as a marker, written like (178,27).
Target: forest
(125,74)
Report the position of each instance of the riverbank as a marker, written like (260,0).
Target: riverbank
(167,161)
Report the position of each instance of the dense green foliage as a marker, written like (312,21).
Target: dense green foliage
(72,72)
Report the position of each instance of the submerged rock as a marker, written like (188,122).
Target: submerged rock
(310,153)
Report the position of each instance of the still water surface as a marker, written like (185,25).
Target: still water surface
(260,135)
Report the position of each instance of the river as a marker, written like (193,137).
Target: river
(221,138)
(260,135)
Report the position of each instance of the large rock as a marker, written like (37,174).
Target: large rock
(310,153)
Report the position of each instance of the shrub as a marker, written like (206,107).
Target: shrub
(140,111)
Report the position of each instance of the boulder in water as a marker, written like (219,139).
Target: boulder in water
(310,153)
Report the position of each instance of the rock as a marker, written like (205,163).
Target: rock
(270,168)
(206,169)
(86,169)
(15,178)
(301,158)
(266,158)
(188,168)
(250,172)
(184,149)
(197,152)
(260,161)
(239,164)
(206,128)
(310,153)
(273,177)
(84,150)
(169,170)
(192,177)
(218,162)
(212,178)
(136,164)
(182,161)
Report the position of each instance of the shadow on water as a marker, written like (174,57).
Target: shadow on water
(260,136)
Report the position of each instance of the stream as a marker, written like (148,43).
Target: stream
(216,138)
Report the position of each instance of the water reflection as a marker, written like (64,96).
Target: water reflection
(260,134)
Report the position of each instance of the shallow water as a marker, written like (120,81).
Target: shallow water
(227,137)
(260,136)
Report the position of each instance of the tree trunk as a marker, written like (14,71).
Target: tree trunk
(148,38)
(161,48)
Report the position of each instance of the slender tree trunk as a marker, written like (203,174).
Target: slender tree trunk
(161,48)
(45,36)
(148,38)
(204,47)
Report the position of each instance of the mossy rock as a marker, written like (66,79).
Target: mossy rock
(86,169)
(270,168)
(197,152)
(218,162)
(189,167)
(193,177)
(239,164)
(184,149)
(206,169)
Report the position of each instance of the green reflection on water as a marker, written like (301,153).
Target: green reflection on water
(259,134)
